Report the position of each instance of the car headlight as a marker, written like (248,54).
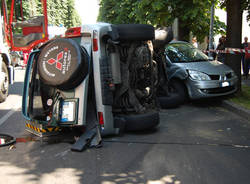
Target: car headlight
(195,75)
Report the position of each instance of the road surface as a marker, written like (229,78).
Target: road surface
(198,143)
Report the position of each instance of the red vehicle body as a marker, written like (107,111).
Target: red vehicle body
(24,32)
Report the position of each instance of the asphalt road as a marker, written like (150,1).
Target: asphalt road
(198,143)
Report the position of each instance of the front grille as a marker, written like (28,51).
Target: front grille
(221,77)
(218,90)
(229,75)
(214,77)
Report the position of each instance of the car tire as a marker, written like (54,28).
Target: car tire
(132,32)
(63,64)
(171,101)
(4,91)
(177,87)
(177,95)
(139,122)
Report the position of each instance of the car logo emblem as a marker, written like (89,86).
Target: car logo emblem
(57,61)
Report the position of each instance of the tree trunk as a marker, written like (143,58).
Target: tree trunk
(183,31)
(233,37)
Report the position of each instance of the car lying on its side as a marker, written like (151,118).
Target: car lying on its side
(99,77)
(192,74)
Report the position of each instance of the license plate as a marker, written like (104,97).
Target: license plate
(225,84)
(68,111)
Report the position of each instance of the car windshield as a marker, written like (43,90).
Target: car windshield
(184,52)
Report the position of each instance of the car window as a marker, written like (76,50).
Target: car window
(184,52)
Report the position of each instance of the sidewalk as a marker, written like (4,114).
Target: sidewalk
(245,113)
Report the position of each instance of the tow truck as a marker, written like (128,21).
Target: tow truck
(24,31)
(19,35)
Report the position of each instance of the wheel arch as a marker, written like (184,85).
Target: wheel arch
(183,81)
(6,59)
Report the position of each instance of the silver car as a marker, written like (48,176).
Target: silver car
(192,73)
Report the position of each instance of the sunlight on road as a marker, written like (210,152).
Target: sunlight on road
(19,74)
(135,177)
(165,180)
(13,175)
(14,100)
(13,103)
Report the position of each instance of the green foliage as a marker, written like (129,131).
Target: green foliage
(117,11)
(242,98)
(72,18)
(192,14)
(245,6)
(60,12)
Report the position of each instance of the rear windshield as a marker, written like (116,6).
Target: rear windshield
(184,52)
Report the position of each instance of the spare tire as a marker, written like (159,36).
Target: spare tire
(132,32)
(138,122)
(63,64)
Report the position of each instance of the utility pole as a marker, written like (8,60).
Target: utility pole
(211,33)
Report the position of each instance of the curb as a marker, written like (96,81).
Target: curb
(241,111)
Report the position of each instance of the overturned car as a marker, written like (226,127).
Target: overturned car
(100,76)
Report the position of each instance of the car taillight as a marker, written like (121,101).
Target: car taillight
(95,41)
(73,32)
(100,117)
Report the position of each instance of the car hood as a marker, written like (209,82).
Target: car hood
(208,67)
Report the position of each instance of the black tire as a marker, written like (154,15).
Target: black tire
(177,87)
(132,32)
(63,64)
(139,122)
(4,91)
(176,97)
(170,101)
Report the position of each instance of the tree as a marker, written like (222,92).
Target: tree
(72,18)
(62,12)
(192,14)
(234,10)
(117,11)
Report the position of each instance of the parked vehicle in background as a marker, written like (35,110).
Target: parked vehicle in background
(192,74)
(23,31)
(6,68)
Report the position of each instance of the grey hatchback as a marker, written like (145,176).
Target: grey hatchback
(191,72)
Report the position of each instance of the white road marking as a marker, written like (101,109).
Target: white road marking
(6,116)
(12,111)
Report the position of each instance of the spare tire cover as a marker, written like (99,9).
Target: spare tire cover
(62,63)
